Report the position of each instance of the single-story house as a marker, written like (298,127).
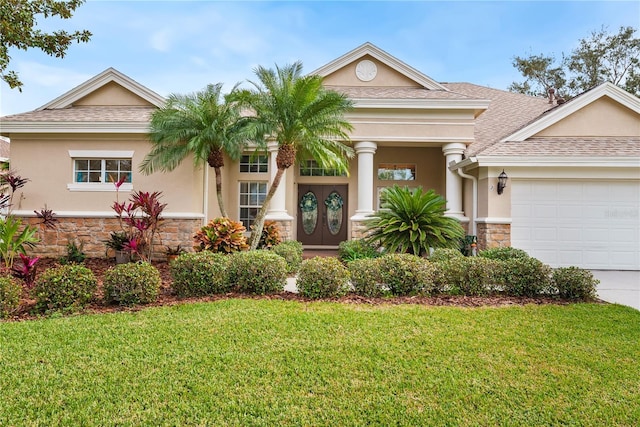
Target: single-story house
(572,194)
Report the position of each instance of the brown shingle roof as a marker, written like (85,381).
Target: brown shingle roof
(568,146)
(507,113)
(85,114)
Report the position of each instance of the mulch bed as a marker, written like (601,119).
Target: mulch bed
(166,298)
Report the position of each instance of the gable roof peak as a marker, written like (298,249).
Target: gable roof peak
(370,49)
(561,111)
(107,76)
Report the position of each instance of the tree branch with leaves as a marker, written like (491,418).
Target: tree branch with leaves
(18,29)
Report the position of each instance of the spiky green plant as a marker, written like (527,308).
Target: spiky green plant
(412,221)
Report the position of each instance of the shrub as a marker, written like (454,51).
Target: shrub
(131,283)
(351,250)
(574,283)
(257,272)
(67,288)
(323,278)
(221,235)
(413,221)
(469,275)
(406,274)
(75,253)
(365,277)
(291,251)
(445,254)
(503,253)
(200,273)
(10,293)
(270,236)
(525,277)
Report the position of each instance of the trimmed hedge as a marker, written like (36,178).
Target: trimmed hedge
(131,283)
(257,272)
(503,253)
(526,277)
(365,278)
(291,251)
(445,254)
(66,288)
(574,283)
(323,278)
(406,274)
(472,276)
(10,292)
(199,274)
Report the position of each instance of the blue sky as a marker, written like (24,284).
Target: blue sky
(180,46)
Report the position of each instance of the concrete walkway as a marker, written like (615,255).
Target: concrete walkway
(620,287)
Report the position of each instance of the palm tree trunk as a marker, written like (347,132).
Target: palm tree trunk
(258,223)
(223,212)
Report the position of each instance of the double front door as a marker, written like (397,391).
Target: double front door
(322,214)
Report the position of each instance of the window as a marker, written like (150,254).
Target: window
(98,170)
(252,195)
(312,168)
(254,163)
(101,170)
(396,172)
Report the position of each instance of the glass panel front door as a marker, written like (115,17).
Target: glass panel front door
(322,211)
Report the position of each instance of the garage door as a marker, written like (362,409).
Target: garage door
(588,224)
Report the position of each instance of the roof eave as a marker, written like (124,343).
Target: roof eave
(74,127)
(559,161)
(478,105)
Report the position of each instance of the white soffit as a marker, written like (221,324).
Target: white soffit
(554,116)
(385,58)
(107,76)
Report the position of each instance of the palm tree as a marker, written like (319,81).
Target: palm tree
(304,118)
(413,221)
(203,124)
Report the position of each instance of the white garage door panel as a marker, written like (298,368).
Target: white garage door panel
(589,224)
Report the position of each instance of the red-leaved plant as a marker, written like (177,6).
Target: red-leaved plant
(26,270)
(139,218)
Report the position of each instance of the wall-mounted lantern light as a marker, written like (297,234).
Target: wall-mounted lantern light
(502,181)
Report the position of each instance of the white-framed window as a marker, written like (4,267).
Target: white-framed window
(99,170)
(397,172)
(254,163)
(252,195)
(312,168)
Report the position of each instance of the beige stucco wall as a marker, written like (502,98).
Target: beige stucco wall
(603,117)
(417,125)
(386,76)
(45,160)
(112,94)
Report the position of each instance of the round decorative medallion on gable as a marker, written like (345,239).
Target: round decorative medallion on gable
(366,70)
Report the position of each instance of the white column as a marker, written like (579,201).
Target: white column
(277,208)
(365,151)
(453,153)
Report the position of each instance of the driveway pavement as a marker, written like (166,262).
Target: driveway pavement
(621,287)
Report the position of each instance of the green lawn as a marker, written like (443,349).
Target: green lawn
(268,362)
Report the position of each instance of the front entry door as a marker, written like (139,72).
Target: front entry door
(322,214)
